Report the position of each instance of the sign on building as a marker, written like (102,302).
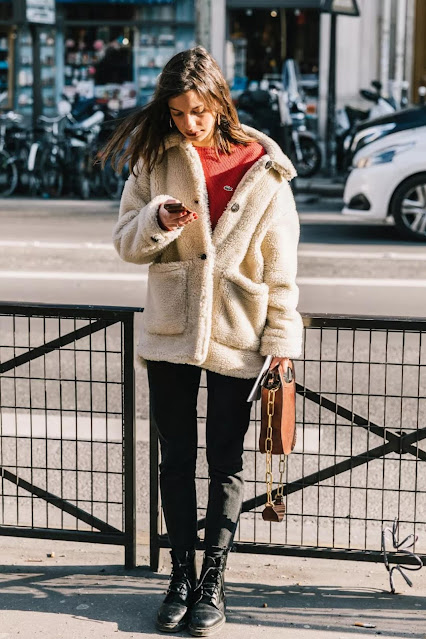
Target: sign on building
(41,11)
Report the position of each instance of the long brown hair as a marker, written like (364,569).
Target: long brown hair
(142,135)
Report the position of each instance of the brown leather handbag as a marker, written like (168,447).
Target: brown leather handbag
(278,428)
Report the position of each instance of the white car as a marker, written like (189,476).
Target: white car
(388,179)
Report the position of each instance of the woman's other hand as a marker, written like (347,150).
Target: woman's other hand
(171,221)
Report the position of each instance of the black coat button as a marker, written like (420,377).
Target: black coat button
(203,256)
(196,201)
(235,207)
(155,239)
(268,165)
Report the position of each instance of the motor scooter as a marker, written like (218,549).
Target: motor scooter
(349,118)
(272,111)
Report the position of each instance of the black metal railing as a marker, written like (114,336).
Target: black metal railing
(67,424)
(67,436)
(358,462)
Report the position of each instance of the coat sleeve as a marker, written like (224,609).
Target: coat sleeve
(137,236)
(282,335)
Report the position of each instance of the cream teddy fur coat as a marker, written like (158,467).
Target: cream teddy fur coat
(220,300)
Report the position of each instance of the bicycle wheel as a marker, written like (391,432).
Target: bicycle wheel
(52,177)
(113,182)
(83,187)
(310,162)
(83,180)
(8,174)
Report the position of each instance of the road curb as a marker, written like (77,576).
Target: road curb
(316,187)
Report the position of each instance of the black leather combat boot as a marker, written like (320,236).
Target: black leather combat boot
(172,614)
(208,610)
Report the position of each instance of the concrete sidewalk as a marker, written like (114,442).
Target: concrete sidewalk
(83,591)
(320,186)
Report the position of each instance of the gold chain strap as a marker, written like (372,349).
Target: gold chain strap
(283,459)
(268,450)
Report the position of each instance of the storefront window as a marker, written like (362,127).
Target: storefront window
(5,60)
(99,63)
(263,39)
(115,52)
(99,57)
(6,57)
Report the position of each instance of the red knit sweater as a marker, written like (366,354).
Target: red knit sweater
(224,173)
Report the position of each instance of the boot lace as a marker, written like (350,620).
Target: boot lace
(209,585)
(179,581)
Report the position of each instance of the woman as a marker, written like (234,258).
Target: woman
(221,296)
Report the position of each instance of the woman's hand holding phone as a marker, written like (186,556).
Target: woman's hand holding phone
(173,214)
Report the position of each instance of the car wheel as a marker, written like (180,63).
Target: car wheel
(408,208)
(310,163)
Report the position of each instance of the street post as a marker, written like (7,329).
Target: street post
(334,8)
(33,14)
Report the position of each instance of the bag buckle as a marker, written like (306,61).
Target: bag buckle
(288,375)
(272,381)
(274,511)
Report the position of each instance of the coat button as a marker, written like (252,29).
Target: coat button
(268,165)
(155,239)
(235,207)
(203,256)
(196,201)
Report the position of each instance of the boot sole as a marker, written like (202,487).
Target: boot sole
(172,627)
(205,632)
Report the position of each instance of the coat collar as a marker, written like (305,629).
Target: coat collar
(280,161)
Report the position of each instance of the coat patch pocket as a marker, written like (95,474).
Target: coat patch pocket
(166,303)
(241,312)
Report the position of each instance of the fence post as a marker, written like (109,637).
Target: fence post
(154,546)
(129,444)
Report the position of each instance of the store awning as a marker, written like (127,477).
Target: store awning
(273,4)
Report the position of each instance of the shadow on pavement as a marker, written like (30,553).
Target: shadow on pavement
(130,599)
(356,233)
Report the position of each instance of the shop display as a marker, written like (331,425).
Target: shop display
(5,57)
(99,64)
(151,54)
(116,63)
(154,46)
(81,58)
(24,72)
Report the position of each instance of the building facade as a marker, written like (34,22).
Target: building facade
(114,50)
(109,50)
(386,42)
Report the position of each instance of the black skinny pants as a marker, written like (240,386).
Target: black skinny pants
(173,402)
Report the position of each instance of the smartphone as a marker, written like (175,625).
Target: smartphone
(174,207)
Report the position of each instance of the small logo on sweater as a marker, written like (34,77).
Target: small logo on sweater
(228,188)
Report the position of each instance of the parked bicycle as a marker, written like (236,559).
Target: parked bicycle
(14,150)
(63,156)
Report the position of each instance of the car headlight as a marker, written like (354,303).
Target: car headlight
(366,136)
(385,156)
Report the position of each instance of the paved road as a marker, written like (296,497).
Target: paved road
(60,252)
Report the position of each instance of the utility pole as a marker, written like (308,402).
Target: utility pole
(409,48)
(211,30)
(36,54)
(334,7)
(385,46)
(32,14)
(400,47)
(331,105)
(203,11)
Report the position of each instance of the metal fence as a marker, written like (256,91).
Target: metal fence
(67,436)
(358,463)
(67,456)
